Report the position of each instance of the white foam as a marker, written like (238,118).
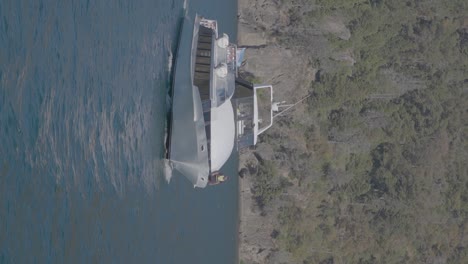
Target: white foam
(168,170)
(169,61)
(185,7)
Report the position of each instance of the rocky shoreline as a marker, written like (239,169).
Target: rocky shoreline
(326,183)
(279,53)
(270,63)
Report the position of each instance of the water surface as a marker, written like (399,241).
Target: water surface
(83,89)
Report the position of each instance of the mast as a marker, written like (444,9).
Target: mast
(277,105)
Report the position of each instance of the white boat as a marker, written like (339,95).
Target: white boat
(203,131)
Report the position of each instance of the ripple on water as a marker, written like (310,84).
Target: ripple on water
(82,116)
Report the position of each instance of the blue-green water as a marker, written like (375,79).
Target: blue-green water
(83,89)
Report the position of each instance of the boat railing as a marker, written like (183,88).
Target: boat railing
(208,23)
(263,111)
(224,84)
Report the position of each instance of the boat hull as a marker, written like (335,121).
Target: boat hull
(188,149)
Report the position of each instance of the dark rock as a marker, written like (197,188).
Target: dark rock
(243,172)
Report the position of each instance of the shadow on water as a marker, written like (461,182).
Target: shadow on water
(170,93)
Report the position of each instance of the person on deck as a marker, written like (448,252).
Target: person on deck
(216,178)
(222,178)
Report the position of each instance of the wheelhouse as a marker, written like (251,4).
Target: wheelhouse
(254,113)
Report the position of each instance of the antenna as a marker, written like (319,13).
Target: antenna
(286,107)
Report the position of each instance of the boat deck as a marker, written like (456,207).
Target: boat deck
(204,62)
(203,72)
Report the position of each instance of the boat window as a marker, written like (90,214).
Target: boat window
(244,119)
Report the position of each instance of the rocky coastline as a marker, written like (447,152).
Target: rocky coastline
(325,183)
(281,54)
(270,62)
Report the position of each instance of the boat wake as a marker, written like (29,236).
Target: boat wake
(169,63)
(167,170)
(185,7)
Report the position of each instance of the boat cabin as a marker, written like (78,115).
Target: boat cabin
(212,112)
(253,110)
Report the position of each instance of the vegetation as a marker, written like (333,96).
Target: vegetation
(264,107)
(267,185)
(385,173)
